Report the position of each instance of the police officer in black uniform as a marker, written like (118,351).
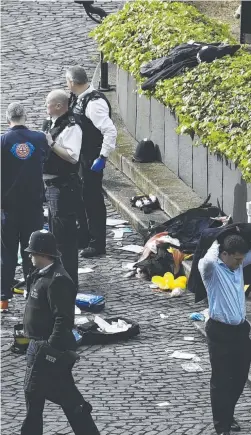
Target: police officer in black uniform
(99,139)
(48,323)
(61,178)
(22,154)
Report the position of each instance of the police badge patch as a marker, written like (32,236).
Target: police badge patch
(23,151)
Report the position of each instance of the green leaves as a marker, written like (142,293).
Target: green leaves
(212,100)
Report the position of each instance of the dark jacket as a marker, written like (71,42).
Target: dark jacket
(50,308)
(23,152)
(55,165)
(195,283)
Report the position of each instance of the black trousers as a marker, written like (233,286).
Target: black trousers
(17,226)
(92,210)
(79,417)
(42,383)
(63,199)
(230,355)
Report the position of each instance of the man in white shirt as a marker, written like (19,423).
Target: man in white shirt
(99,139)
(61,178)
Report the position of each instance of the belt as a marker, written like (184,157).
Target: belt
(60,180)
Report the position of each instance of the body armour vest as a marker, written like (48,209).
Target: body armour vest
(92,136)
(55,165)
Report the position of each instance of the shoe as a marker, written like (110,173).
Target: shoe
(4,306)
(235,427)
(92,252)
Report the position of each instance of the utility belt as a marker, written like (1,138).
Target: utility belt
(50,358)
(61,180)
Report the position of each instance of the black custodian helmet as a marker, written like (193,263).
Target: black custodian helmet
(43,242)
(145,152)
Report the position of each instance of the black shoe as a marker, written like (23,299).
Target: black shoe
(235,427)
(92,252)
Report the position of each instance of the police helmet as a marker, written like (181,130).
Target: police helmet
(145,152)
(43,242)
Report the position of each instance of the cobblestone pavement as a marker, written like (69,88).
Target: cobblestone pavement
(125,382)
(40,39)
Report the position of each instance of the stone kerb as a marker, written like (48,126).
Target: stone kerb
(202,171)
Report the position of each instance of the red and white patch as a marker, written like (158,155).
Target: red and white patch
(22,150)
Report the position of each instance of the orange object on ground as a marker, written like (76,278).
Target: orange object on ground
(4,305)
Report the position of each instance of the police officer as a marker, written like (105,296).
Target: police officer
(48,323)
(61,178)
(22,153)
(99,139)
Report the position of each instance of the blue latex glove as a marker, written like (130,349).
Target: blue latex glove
(98,164)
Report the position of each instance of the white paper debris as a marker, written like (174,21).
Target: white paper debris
(81,320)
(133,248)
(182,355)
(162,404)
(128,266)
(129,274)
(118,234)
(192,367)
(153,286)
(189,338)
(85,270)
(115,327)
(163,316)
(114,222)
(77,310)
(205,314)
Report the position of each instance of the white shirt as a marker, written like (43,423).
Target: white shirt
(71,140)
(98,112)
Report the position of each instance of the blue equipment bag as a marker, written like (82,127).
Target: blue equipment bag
(90,302)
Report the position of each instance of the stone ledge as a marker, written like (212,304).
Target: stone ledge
(174,195)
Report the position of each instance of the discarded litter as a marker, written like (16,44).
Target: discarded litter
(197,317)
(114,222)
(177,293)
(81,320)
(192,367)
(85,270)
(153,286)
(129,274)
(182,355)
(133,248)
(189,338)
(162,404)
(118,234)
(205,313)
(163,316)
(196,359)
(113,328)
(77,310)
(128,266)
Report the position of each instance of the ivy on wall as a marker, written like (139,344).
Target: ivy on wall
(212,100)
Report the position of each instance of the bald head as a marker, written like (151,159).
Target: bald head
(57,102)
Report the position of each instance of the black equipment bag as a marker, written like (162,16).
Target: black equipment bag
(91,335)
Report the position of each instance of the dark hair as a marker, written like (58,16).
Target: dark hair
(233,244)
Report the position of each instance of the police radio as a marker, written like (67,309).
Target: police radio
(46,125)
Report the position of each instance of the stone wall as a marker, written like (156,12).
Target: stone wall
(203,172)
